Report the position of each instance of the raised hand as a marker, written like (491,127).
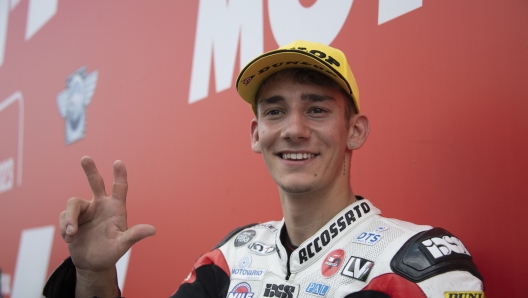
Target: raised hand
(96,231)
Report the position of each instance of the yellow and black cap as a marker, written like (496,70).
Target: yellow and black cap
(298,54)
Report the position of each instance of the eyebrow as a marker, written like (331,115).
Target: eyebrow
(304,97)
(316,97)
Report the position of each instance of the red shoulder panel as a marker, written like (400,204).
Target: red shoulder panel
(395,286)
(214,257)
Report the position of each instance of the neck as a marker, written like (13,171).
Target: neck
(305,214)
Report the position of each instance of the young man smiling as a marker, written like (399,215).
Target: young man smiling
(331,243)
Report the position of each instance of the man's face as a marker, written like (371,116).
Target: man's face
(302,134)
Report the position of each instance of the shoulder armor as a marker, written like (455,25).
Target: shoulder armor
(231,234)
(430,253)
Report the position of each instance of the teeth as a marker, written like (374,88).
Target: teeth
(297,156)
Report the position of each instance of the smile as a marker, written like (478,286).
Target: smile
(297,156)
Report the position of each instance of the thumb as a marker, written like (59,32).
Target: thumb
(137,233)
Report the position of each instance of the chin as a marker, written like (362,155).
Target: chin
(297,189)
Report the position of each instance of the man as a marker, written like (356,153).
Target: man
(331,243)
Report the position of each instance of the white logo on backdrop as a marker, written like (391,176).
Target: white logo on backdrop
(7,165)
(223,25)
(72,102)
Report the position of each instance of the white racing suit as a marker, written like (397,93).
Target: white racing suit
(356,254)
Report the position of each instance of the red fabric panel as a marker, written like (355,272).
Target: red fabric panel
(395,286)
(214,257)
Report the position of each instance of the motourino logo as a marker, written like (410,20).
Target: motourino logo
(332,262)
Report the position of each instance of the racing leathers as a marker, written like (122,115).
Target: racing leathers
(356,254)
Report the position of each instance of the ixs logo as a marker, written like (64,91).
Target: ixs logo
(368,238)
(439,247)
(261,248)
(241,290)
(281,291)
(358,268)
(464,295)
(244,238)
(73,101)
(317,289)
(332,262)
(315,246)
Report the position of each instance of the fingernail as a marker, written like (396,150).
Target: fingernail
(69,229)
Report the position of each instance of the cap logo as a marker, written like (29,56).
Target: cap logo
(247,80)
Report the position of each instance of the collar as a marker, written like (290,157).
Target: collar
(315,247)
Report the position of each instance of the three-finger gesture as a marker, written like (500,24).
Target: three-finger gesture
(96,231)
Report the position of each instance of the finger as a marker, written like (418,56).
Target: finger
(120,186)
(137,233)
(94,178)
(70,222)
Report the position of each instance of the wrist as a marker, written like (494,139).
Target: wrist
(101,284)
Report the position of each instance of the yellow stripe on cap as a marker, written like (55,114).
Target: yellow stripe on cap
(298,54)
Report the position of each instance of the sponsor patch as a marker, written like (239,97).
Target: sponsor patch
(241,290)
(261,248)
(332,262)
(244,262)
(381,229)
(464,295)
(368,238)
(439,247)
(244,237)
(268,226)
(358,268)
(279,290)
(248,274)
(317,289)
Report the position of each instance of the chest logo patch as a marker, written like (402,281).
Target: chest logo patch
(358,268)
(317,289)
(244,238)
(261,248)
(332,262)
(368,238)
(241,290)
(281,291)
(464,295)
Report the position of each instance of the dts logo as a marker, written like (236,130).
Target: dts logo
(281,291)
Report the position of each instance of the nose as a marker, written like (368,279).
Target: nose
(295,127)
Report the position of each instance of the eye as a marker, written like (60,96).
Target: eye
(317,110)
(273,112)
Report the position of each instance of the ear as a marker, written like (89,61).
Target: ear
(358,132)
(255,144)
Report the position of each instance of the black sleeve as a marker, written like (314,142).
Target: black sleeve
(211,282)
(61,283)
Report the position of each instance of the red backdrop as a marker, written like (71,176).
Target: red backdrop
(444,85)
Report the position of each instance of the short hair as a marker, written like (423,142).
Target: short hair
(309,77)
